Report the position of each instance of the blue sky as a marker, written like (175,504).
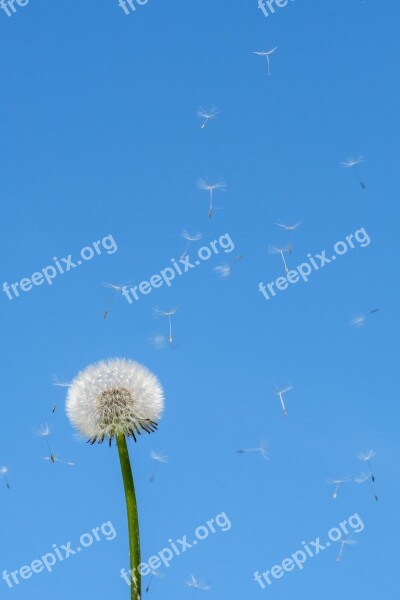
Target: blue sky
(100,138)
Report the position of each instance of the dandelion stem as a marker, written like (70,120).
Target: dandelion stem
(132,512)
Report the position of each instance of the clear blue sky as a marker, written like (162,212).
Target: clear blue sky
(99,136)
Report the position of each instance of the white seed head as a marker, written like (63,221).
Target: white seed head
(44,430)
(367,455)
(197,584)
(158,457)
(352,162)
(4,471)
(115,396)
(223,271)
(363,478)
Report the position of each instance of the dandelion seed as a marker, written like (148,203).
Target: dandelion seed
(58,384)
(166,314)
(159,459)
(207,115)
(262,449)
(280,394)
(55,459)
(281,251)
(352,163)
(343,543)
(337,483)
(359,321)
(197,585)
(223,271)
(153,573)
(158,341)
(44,432)
(367,477)
(267,54)
(203,184)
(117,399)
(367,457)
(4,473)
(190,238)
(289,229)
(116,289)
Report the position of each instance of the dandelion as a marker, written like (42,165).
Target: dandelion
(197,585)
(289,229)
(167,314)
(153,573)
(116,289)
(207,115)
(359,321)
(281,251)
(203,184)
(367,477)
(4,473)
(267,54)
(189,238)
(343,543)
(58,384)
(337,483)
(223,271)
(44,432)
(352,163)
(158,458)
(118,398)
(262,449)
(367,457)
(280,393)
(55,459)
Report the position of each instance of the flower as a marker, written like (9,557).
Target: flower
(113,397)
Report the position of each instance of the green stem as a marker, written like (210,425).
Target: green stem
(133,521)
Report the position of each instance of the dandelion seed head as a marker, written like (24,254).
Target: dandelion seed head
(191,238)
(338,481)
(352,162)
(275,250)
(289,227)
(223,270)
(158,457)
(44,430)
(198,584)
(203,184)
(363,478)
(164,313)
(284,390)
(210,113)
(57,383)
(4,470)
(367,455)
(266,52)
(113,397)
(112,286)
